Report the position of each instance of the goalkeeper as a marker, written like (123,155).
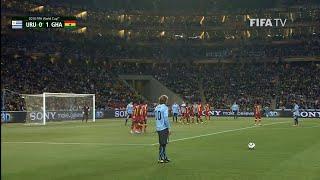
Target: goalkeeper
(85,112)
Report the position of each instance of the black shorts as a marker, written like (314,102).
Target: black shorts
(175,114)
(163,136)
(235,112)
(129,115)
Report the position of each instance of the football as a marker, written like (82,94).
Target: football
(251,145)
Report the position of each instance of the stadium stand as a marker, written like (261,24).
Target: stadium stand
(90,62)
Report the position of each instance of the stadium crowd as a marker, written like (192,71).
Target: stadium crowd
(33,62)
(222,84)
(54,62)
(245,83)
(25,75)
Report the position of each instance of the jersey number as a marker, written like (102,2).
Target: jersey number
(158,115)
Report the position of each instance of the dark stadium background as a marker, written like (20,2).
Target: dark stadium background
(219,60)
(194,51)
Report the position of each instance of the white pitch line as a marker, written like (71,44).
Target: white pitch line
(70,143)
(220,132)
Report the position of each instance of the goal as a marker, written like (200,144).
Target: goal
(45,107)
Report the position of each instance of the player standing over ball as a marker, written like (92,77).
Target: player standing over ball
(296,113)
(257,113)
(85,112)
(162,127)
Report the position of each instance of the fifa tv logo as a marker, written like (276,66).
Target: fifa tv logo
(268,22)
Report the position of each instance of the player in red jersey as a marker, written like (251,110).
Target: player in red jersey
(141,121)
(144,111)
(183,112)
(207,111)
(199,119)
(192,113)
(134,117)
(187,114)
(257,113)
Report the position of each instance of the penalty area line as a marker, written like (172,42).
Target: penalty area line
(221,132)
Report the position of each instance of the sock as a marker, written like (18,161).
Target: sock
(161,152)
(164,152)
(126,121)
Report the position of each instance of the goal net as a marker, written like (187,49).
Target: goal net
(42,108)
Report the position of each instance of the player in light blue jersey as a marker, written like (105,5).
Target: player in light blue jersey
(129,111)
(296,113)
(235,110)
(162,126)
(175,111)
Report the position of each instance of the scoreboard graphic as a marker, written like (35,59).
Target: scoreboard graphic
(43,22)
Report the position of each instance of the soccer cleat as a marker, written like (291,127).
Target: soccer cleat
(161,161)
(166,160)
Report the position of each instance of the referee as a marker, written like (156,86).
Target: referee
(162,126)
(235,110)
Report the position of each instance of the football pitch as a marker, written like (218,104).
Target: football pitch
(213,150)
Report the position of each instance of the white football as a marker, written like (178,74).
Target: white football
(251,145)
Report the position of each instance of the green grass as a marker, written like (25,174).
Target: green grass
(106,150)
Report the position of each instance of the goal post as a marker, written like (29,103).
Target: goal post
(45,107)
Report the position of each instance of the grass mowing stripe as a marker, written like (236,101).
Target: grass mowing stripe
(108,144)
(299,127)
(70,143)
(220,132)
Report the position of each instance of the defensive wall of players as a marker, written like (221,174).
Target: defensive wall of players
(20,116)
